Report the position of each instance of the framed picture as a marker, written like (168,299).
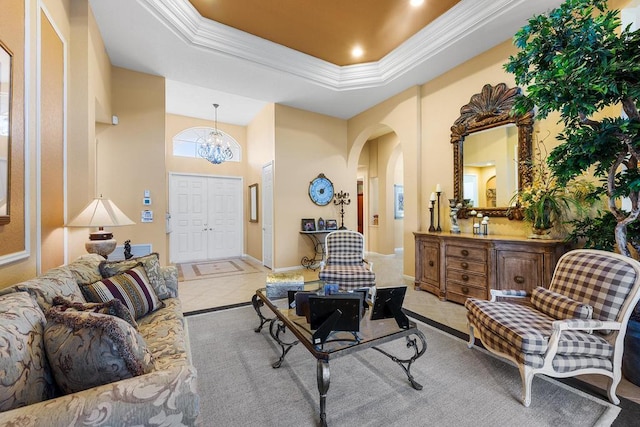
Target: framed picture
(331,224)
(308,224)
(5,130)
(398,201)
(320,224)
(253,203)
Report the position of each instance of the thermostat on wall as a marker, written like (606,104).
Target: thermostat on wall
(146,216)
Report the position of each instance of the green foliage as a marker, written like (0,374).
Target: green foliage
(575,60)
(597,232)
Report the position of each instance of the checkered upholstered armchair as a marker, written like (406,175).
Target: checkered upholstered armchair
(575,327)
(344,262)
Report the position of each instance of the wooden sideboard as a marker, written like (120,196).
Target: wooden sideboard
(457,266)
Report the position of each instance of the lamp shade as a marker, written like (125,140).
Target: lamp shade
(100,213)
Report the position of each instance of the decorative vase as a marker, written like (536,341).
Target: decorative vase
(540,233)
(542,223)
(631,355)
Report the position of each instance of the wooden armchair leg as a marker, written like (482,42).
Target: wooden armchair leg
(526,373)
(613,385)
(472,337)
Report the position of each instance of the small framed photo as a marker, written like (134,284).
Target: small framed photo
(320,224)
(331,224)
(308,224)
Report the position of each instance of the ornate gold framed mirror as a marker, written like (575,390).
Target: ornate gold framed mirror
(489,145)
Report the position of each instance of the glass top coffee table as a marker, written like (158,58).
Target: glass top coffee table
(371,334)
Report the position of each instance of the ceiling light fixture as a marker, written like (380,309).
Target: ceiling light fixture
(416,3)
(357,52)
(213,148)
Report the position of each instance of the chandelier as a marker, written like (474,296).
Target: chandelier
(213,147)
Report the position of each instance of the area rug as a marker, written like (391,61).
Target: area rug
(462,387)
(212,269)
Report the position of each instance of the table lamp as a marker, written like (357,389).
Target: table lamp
(100,213)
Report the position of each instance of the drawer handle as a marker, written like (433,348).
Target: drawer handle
(464,252)
(519,280)
(465,277)
(430,263)
(465,265)
(465,290)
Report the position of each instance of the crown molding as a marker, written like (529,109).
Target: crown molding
(459,22)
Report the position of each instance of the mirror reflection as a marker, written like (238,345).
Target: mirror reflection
(490,166)
(489,143)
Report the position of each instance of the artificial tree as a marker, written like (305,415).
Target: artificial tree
(577,61)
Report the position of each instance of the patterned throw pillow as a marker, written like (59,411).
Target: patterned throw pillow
(25,377)
(151,264)
(115,307)
(559,306)
(85,268)
(44,288)
(87,349)
(132,287)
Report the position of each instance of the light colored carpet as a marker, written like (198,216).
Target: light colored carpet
(462,387)
(211,269)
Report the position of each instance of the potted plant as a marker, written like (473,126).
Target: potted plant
(576,60)
(543,202)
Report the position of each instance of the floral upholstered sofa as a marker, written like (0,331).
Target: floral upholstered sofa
(67,361)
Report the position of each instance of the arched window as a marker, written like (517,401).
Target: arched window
(185,143)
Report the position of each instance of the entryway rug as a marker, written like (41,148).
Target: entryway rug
(462,387)
(212,269)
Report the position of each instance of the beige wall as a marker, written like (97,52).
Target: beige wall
(260,151)
(139,139)
(307,144)
(52,118)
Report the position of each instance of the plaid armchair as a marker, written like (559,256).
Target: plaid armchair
(344,263)
(575,327)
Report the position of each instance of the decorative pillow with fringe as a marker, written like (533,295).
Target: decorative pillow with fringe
(87,349)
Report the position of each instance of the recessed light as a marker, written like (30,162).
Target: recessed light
(357,52)
(416,3)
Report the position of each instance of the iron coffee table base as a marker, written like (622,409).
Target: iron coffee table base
(277,327)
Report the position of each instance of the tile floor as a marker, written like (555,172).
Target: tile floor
(203,294)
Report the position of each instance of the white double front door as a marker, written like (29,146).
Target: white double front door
(206,217)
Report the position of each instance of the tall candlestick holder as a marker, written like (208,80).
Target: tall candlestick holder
(432,203)
(438,228)
(341,199)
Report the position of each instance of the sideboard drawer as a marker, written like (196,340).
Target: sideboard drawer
(467,265)
(459,293)
(467,279)
(476,254)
